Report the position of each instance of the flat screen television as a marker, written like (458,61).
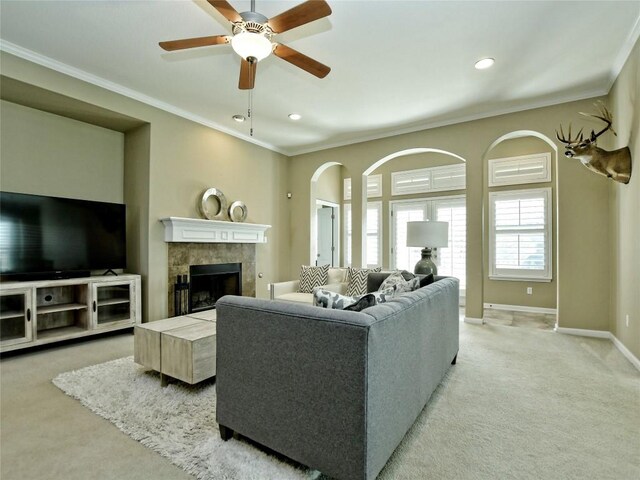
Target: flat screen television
(48,237)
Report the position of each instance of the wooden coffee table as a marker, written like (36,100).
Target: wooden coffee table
(179,347)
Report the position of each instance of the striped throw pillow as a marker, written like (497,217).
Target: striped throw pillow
(311,277)
(357,280)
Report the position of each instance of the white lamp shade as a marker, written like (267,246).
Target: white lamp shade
(427,234)
(249,44)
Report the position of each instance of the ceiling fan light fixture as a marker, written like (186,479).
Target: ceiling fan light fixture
(249,44)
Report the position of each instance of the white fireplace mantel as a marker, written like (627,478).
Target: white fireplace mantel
(195,230)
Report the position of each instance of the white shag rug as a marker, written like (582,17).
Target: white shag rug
(519,404)
(177,421)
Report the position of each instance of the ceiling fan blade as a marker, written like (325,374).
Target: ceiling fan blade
(226,10)
(304,13)
(247,75)
(296,58)
(194,42)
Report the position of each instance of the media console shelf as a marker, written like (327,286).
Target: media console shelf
(46,311)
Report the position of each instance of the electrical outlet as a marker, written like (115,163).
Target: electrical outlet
(529,290)
(268,287)
(626,318)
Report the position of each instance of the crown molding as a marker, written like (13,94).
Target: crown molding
(624,53)
(444,123)
(84,76)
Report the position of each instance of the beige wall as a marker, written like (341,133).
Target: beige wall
(624,212)
(582,195)
(47,154)
(183,159)
(329,186)
(515,293)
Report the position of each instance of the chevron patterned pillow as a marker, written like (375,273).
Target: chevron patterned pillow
(311,277)
(357,280)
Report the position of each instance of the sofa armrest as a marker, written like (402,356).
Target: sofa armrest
(281,288)
(294,377)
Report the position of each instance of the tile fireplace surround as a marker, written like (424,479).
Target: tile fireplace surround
(182,255)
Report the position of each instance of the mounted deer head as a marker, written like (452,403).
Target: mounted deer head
(615,164)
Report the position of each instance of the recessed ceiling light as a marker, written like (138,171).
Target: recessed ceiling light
(295,116)
(239,118)
(484,63)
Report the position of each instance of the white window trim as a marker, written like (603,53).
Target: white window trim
(544,159)
(346,191)
(428,172)
(378,205)
(429,215)
(374,187)
(545,275)
(348,246)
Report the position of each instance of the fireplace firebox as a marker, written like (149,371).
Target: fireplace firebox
(210,282)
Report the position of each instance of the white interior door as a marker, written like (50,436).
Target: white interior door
(325,236)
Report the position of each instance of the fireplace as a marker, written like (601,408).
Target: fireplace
(183,256)
(207,283)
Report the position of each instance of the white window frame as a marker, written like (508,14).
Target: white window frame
(519,167)
(374,187)
(348,233)
(435,180)
(429,208)
(378,234)
(521,274)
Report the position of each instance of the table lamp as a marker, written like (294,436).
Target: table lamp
(428,235)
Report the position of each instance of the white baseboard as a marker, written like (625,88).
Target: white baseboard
(474,321)
(521,308)
(625,351)
(602,334)
(584,332)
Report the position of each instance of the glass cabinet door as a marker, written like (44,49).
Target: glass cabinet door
(15,317)
(113,303)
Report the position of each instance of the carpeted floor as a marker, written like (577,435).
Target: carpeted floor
(519,404)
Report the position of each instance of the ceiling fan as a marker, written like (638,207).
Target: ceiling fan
(252,35)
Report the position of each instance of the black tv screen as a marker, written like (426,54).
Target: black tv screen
(51,237)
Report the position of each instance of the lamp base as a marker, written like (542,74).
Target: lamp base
(425,265)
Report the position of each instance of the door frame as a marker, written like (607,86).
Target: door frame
(336,229)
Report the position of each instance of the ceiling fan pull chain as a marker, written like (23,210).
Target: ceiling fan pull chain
(249,113)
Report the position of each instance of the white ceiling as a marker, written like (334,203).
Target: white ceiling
(397,66)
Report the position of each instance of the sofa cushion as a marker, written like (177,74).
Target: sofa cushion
(365,301)
(311,277)
(357,280)
(337,275)
(398,279)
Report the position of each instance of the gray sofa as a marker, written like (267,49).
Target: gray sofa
(334,390)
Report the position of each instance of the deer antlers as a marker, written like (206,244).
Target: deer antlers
(604,115)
